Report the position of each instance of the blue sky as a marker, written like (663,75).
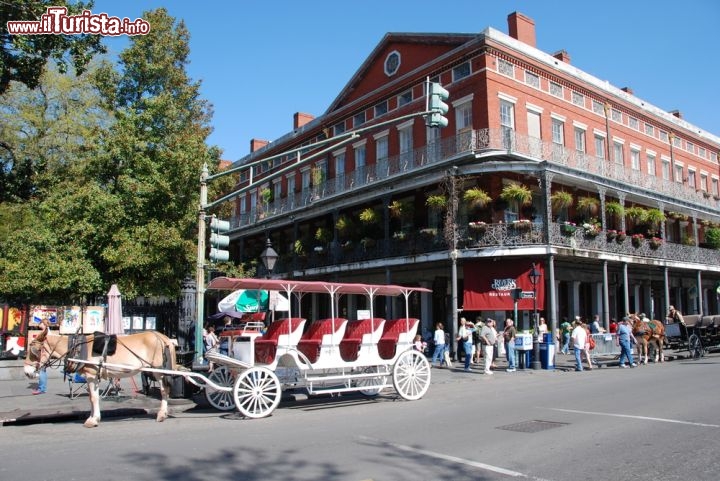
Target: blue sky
(262,61)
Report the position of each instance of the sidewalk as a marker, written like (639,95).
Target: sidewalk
(19,406)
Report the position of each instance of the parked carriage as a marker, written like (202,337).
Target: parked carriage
(325,356)
(697,335)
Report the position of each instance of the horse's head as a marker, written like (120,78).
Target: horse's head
(42,350)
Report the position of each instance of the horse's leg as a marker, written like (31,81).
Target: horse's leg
(164,394)
(94,391)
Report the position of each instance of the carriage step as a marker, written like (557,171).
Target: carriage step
(331,390)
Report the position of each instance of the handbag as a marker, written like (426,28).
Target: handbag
(591,343)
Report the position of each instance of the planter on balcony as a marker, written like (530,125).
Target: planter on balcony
(522,224)
(611,235)
(637,240)
(478,227)
(591,230)
(568,228)
(620,238)
(655,243)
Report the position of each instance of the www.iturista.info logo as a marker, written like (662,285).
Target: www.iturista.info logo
(56,21)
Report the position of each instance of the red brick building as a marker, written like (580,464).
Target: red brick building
(615,200)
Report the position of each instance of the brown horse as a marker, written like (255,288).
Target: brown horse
(646,333)
(119,357)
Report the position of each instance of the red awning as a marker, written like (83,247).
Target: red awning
(488,284)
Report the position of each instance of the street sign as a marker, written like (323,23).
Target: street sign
(527,295)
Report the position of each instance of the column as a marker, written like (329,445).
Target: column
(606,296)
(596,301)
(666,274)
(621,199)
(636,295)
(626,294)
(426,317)
(575,298)
(551,308)
(699,301)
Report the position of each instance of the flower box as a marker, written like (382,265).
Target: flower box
(568,228)
(637,240)
(478,226)
(620,238)
(522,224)
(611,235)
(655,243)
(591,230)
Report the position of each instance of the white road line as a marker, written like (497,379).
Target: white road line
(646,418)
(454,459)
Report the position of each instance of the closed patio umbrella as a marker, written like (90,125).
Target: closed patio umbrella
(114,320)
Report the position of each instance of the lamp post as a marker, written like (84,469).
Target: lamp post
(269,257)
(534,276)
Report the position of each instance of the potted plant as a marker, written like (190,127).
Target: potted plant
(636,213)
(712,237)
(478,226)
(323,235)
(611,234)
(522,224)
(561,200)
(343,224)
(299,248)
(436,201)
(655,243)
(591,229)
(568,228)
(369,216)
(516,193)
(476,198)
(620,237)
(588,204)
(637,240)
(614,209)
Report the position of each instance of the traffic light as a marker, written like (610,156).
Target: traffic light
(437,107)
(218,240)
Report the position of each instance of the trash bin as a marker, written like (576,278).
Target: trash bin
(547,355)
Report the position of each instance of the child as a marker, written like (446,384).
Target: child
(419,344)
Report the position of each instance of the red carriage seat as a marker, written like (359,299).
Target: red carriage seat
(391,334)
(266,345)
(356,330)
(313,338)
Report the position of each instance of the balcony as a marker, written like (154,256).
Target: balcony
(481,143)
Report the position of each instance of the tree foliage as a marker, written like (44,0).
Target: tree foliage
(105,174)
(23,57)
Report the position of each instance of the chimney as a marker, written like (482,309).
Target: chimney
(522,28)
(562,55)
(676,113)
(300,119)
(257,144)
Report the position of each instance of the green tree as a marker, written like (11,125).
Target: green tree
(23,57)
(152,158)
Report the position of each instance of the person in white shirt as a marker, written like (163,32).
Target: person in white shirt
(579,338)
(488,337)
(439,339)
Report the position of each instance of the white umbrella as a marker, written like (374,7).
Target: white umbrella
(114,319)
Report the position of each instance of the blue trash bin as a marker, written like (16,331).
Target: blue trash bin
(547,355)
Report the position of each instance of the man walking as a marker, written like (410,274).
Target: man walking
(488,339)
(509,334)
(579,338)
(625,336)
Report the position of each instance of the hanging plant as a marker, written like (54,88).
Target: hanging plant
(299,248)
(588,205)
(400,209)
(323,235)
(369,216)
(561,200)
(476,198)
(516,193)
(436,201)
(614,209)
(266,195)
(654,217)
(343,224)
(712,237)
(636,213)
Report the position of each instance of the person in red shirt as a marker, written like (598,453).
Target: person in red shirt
(613,326)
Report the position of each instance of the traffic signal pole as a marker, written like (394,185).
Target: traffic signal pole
(200,269)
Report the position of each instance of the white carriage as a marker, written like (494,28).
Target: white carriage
(332,355)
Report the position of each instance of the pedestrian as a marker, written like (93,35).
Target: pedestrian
(675,315)
(419,344)
(465,337)
(595,326)
(439,339)
(625,339)
(565,330)
(477,344)
(40,364)
(488,338)
(613,326)
(542,329)
(588,345)
(579,338)
(211,340)
(509,334)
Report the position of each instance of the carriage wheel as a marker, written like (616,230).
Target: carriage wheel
(221,400)
(411,375)
(257,392)
(370,382)
(695,346)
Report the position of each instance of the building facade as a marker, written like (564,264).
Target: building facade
(614,201)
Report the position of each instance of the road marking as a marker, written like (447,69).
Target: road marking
(454,459)
(646,418)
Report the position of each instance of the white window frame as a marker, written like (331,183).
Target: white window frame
(651,162)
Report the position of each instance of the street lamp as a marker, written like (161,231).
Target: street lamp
(534,276)
(269,257)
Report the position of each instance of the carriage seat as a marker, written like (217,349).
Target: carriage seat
(266,345)
(692,320)
(322,332)
(356,333)
(392,333)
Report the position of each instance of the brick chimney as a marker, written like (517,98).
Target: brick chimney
(300,119)
(256,144)
(522,28)
(676,113)
(562,55)
(628,90)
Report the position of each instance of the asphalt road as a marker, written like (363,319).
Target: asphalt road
(655,422)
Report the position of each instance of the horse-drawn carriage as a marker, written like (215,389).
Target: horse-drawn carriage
(332,355)
(697,334)
(328,356)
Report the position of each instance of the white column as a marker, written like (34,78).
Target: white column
(575,298)
(636,295)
